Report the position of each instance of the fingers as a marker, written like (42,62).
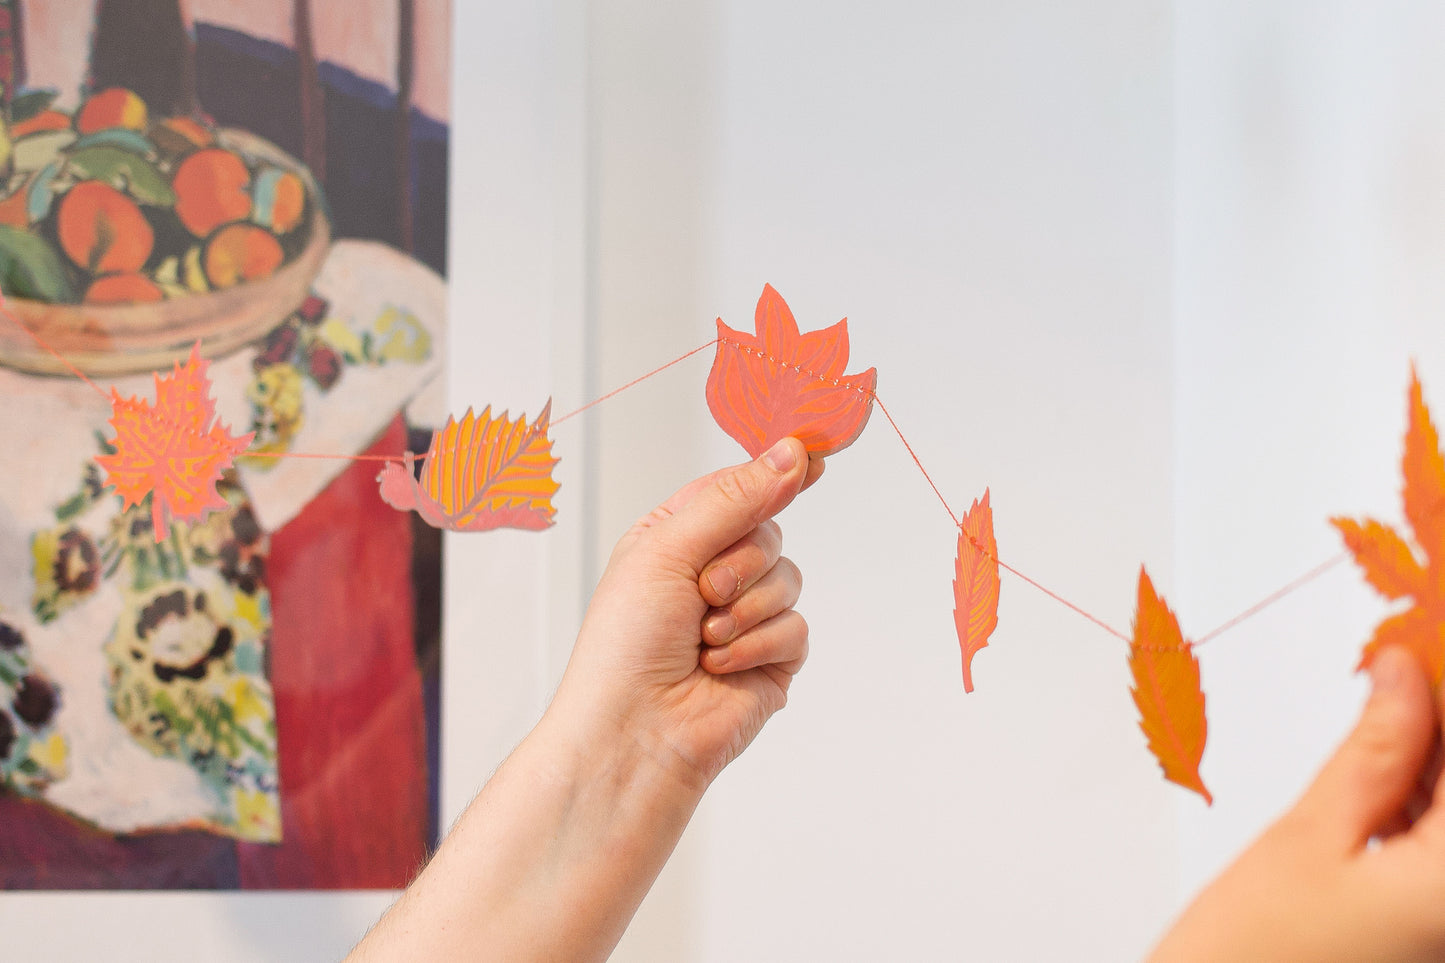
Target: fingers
(781,641)
(1364,787)
(741,564)
(775,592)
(815,471)
(732,503)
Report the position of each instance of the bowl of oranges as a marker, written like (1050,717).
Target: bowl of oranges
(125,238)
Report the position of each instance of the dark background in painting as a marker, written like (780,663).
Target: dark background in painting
(240,81)
(252,84)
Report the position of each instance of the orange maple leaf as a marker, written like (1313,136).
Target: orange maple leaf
(174,450)
(480,473)
(1166,690)
(765,387)
(975,584)
(1390,562)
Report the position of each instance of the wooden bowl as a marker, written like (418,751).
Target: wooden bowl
(131,338)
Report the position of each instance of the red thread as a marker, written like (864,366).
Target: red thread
(1253,610)
(307,454)
(1274,597)
(5,311)
(897,431)
(635,381)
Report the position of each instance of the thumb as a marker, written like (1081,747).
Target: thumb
(1370,777)
(733,502)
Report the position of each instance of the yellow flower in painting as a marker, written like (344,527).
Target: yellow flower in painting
(276,411)
(246,702)
(345,341)
(402,337)
(258,818)
(52,755)
(248,609)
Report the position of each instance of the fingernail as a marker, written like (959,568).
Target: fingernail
(781,456)
(721,626)
(724,581)
(1386,672)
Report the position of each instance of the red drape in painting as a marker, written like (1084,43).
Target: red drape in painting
(348,694)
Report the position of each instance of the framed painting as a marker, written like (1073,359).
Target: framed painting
(250,701)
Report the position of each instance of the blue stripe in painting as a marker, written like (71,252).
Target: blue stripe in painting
(334,76)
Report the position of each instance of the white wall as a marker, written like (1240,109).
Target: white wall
(985,191)
(1310,238)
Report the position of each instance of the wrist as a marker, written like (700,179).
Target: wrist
(618,747)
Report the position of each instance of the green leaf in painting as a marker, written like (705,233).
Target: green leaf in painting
(37,150)
(30,104)
(30,268)
(120,167)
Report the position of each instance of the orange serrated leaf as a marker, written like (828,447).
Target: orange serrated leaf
(975,584)
(1392,565)
(1388,563)
(778,382)
(1166,690)
(480,473)
(171,450)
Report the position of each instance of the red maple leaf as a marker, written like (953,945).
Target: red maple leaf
(765,387)
(173,450)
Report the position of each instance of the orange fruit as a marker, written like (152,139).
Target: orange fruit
(280,200)
(103,230)
(211,190)
(241,252)
(114,107)
(15,209)
(43,121)
(189,129)
(124,288)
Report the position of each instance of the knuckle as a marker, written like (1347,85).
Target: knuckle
(770,536)
(793,573)
(741,488)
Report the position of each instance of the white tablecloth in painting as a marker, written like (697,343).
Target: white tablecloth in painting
(133,677)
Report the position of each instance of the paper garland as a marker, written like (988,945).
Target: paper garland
(483,472)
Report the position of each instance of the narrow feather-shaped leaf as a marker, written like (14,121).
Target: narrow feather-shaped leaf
(480,473)
(778,382)
(1386,559)
(975,584)
(173,450)
(1166,690)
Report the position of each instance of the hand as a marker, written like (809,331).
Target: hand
(1314,887)
(689,646)
(691,640)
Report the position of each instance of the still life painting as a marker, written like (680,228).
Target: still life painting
(248,200)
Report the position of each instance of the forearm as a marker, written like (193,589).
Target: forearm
(550,861)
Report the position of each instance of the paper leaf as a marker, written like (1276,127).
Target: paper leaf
(778,382)
(975,584)
(1166,690)
(1392,565)
(1424,469)
(480,473)
(174,450)
(1388,563)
